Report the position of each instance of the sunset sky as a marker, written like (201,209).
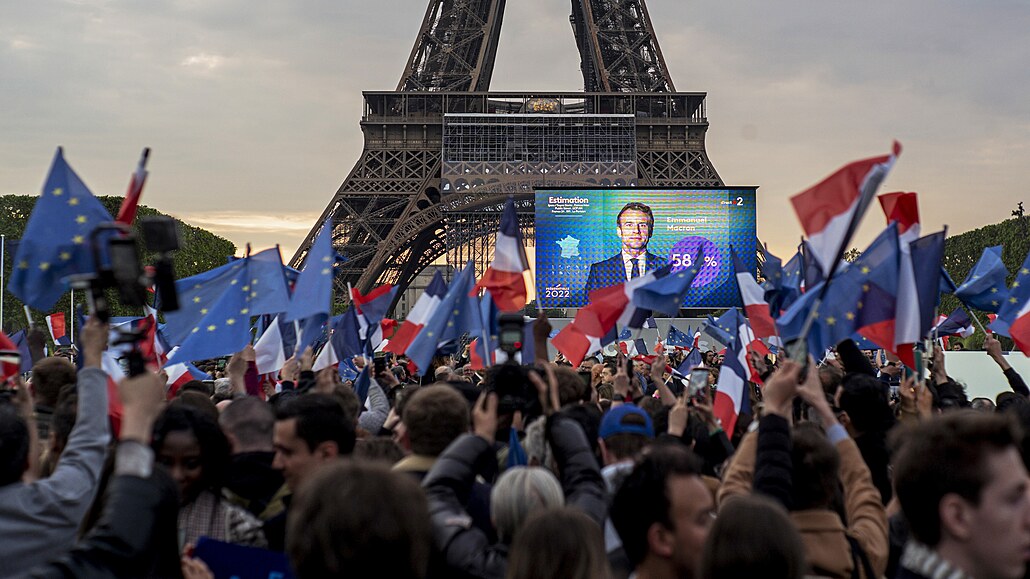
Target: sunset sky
(252,108)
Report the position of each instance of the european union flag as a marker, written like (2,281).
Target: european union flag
(224,328)
(789,289)
(724,330)
(677,338)
(56,242)
(1009,309)
(862,297)
(666,293)
(625,334)
(984,287)
(260,277)
(771,269)
(312,296)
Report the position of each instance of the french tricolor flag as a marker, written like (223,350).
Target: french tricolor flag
(418,316)
(830,211)
(504,278)
(903,209)
(1019,322)
(374,326)
(753,296)
(10,358)
(1020,328)
(58,330)
(731,395)
(269,353)
(326,358)
(180,374)
(594,325)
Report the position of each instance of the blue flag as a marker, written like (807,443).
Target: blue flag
(863,296)
(771,269)
(677,338)
(984,287)
(21,341)
(666,293)
(789,289)
(724,330)
(625,334)
(457,314)
(927,254)
(259,276)
(1009,310)
(811,270)
(693,360)
(346,338)
(224,328)
(56,242)
(363,383)
(313,294)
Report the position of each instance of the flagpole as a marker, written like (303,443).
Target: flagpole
(977,321)
(71,322)
(28,316)
(3,264)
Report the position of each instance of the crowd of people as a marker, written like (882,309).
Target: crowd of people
(847,468)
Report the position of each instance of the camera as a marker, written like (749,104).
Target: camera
(118,268)
(510,331)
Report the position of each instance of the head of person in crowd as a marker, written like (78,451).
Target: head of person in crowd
(965,492)
(443,374)
(735,549)
(432,418)
(982,405)
(310,431)
(205,388)
(816,471)
(14,452)
(663,512)
(830,377)
(348,399)
(951,396)
(609,371)
(358,519)
(588,363)
(865,401)
(381,449)
(197,401)
(61,424)
(625,431)
(558,543)
(571,388)
(49,375)
(520,492)
(957,346)
(248,424)
(193,449)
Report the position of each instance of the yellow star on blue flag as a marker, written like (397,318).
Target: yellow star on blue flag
(55,243)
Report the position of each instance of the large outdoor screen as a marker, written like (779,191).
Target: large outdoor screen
(587,239)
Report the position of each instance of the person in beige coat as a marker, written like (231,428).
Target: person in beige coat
(804,469)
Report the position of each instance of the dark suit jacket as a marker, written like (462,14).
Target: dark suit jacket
(613,270)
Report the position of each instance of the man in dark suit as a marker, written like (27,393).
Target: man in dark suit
(634,226)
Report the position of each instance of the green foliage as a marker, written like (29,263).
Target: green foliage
(961,253)
(200,251)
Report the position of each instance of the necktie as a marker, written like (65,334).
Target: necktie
(635,272)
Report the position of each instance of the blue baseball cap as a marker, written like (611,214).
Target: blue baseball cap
(614,422)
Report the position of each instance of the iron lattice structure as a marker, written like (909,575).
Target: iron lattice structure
(404,205)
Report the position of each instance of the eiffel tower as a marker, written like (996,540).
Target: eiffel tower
(442,152)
